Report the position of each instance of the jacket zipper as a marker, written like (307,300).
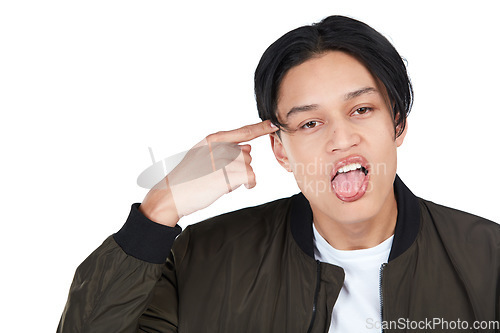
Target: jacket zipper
(316,292)
(381,296)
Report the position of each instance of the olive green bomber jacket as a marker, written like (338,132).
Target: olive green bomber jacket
(254,270)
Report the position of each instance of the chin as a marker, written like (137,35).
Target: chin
(334,209)
(353,212)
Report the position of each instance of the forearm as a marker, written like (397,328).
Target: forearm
(113,286)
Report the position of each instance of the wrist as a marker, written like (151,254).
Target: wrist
(159,206)
(143,239)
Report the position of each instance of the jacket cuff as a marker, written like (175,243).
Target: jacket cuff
(144,239)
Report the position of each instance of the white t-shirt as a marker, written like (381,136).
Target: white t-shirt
(358,304)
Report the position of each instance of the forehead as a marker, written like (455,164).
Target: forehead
(326,78)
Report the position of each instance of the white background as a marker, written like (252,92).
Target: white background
(87,86)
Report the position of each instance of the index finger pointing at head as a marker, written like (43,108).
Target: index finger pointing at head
(245,133)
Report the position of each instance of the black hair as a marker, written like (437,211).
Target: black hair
(334,33)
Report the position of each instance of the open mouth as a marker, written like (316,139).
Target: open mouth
(351,179)
(352,167)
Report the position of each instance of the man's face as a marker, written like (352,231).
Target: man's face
(337,115)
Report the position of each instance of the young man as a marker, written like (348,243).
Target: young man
(354,251)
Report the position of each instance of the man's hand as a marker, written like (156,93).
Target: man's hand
(217,165)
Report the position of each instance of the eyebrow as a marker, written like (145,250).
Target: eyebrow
(347,97)
(302,108)
(359,92)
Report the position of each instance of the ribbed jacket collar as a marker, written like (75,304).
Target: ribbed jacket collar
(407,223)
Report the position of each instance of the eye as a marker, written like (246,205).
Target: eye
(310,124)
(362,110)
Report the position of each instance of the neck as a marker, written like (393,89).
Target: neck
(359,234)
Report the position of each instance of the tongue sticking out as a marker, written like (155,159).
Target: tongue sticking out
(348,184)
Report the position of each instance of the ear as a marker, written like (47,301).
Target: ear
(400,139)
(280,152)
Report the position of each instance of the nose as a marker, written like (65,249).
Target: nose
(342,136)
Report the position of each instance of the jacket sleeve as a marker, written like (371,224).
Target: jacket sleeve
(113,287)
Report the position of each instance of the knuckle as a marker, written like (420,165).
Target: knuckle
(250,174)
(211,137)
(214,137)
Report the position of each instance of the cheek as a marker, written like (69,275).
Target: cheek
(300,152)
(308,166)
(385,160)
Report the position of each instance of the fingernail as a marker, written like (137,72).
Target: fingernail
(273,126)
